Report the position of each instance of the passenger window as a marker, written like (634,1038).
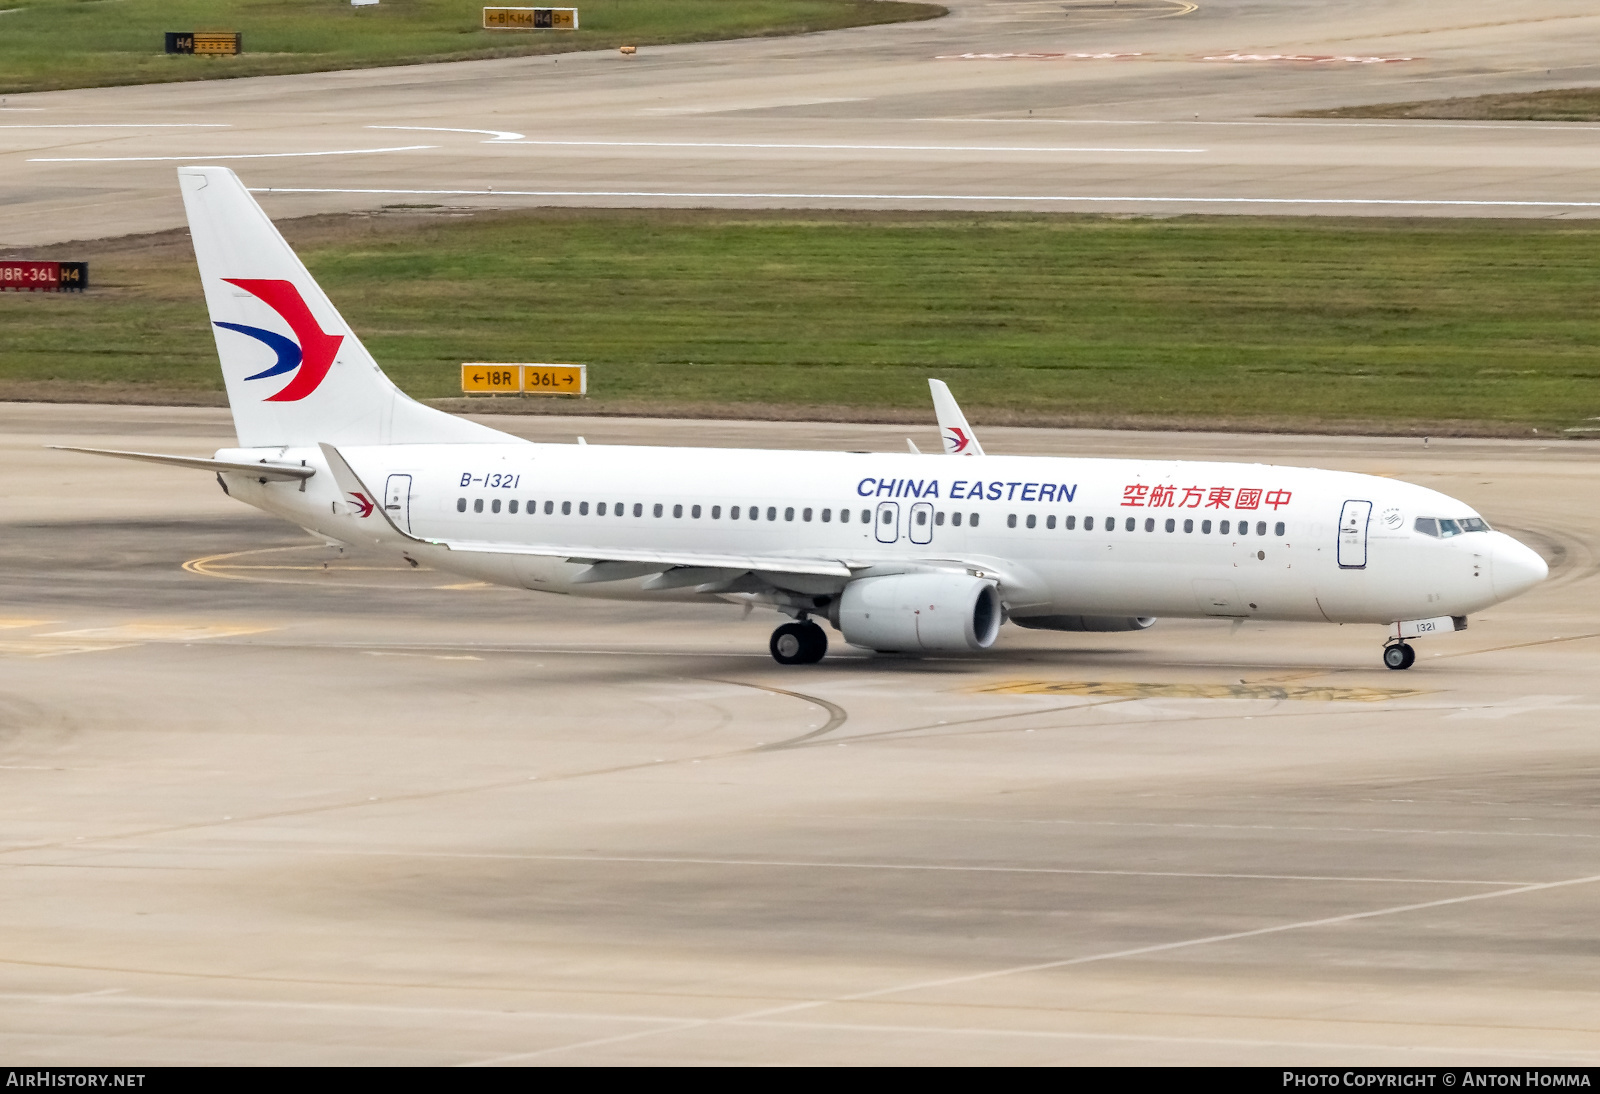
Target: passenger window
(888,517)
(1130,524)
(461,505)
(1072,522)
(600,510)
(477,505)
(1011,520)
(733,513)
(922,517)
(1448,528)
(1188,526)
(638,509)
(972,521)
(772,513)
(955,520)
(1088,523)
(1050,521)
(1033,521)
(511,506)
(1149,524)
(533,508)
(805,514)
(827,516)
(1244,528)
(716,512)
(1172,525)
(549,507)
(657,509)
(494,506)
(788,514)
(866,516)
(677,511)
(1261,527)
(1205,527)
(1223,528)
(583,508)
(619,507)
(1277,529)
(695,512)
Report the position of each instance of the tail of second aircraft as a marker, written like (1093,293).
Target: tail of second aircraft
(296,374)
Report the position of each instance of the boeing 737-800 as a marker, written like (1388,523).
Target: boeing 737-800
(897,551)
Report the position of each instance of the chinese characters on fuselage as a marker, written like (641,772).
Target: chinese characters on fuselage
(1161,496)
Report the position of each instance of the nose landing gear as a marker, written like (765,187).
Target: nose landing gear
(1399,655)
(798,644)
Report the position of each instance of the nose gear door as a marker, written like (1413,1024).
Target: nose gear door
(887,525)
(920,525)
(1353,520)
(397,500)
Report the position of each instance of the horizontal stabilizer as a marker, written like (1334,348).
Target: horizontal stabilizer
(279,472)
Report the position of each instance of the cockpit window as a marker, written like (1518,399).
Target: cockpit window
(1444,529)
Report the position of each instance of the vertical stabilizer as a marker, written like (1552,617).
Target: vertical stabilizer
(296,374)
(953,427)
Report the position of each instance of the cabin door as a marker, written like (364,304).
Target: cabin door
(1353,520)
(920,524)
(887,526)
(397,501)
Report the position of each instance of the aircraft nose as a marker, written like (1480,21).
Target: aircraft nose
(1516,567)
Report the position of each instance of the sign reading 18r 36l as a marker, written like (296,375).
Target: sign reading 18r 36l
(530,18)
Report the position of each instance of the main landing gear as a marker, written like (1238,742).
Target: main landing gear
(1399,655)
(802,643)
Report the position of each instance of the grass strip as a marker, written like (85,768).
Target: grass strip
(1447,326)
(46,45)
(1570,104)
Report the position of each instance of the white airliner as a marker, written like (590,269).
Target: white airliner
(897,551)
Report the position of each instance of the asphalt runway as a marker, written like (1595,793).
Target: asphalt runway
(1150,107)
(264,803)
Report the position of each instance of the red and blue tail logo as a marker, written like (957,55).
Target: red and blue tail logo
(312,355)
(956,439)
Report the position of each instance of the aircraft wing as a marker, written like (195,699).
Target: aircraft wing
(642,560)
(776,564)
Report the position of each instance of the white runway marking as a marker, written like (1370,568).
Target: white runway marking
(119,998)
(117,125)
(844,147)
(496,136)
(673,860)
(1046,966)
(1318,123)
(208,159)
(1475,203)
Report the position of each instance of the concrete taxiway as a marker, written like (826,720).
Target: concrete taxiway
(264,803)
(1154,106)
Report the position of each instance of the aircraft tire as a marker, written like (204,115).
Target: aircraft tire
(798,644)
(1399,655)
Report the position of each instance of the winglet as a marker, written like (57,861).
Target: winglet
(953,427)
(362,503)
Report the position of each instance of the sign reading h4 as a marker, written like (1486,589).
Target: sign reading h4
(892,551)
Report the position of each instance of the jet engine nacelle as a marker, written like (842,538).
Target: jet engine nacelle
(915,612)
(1086,622)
